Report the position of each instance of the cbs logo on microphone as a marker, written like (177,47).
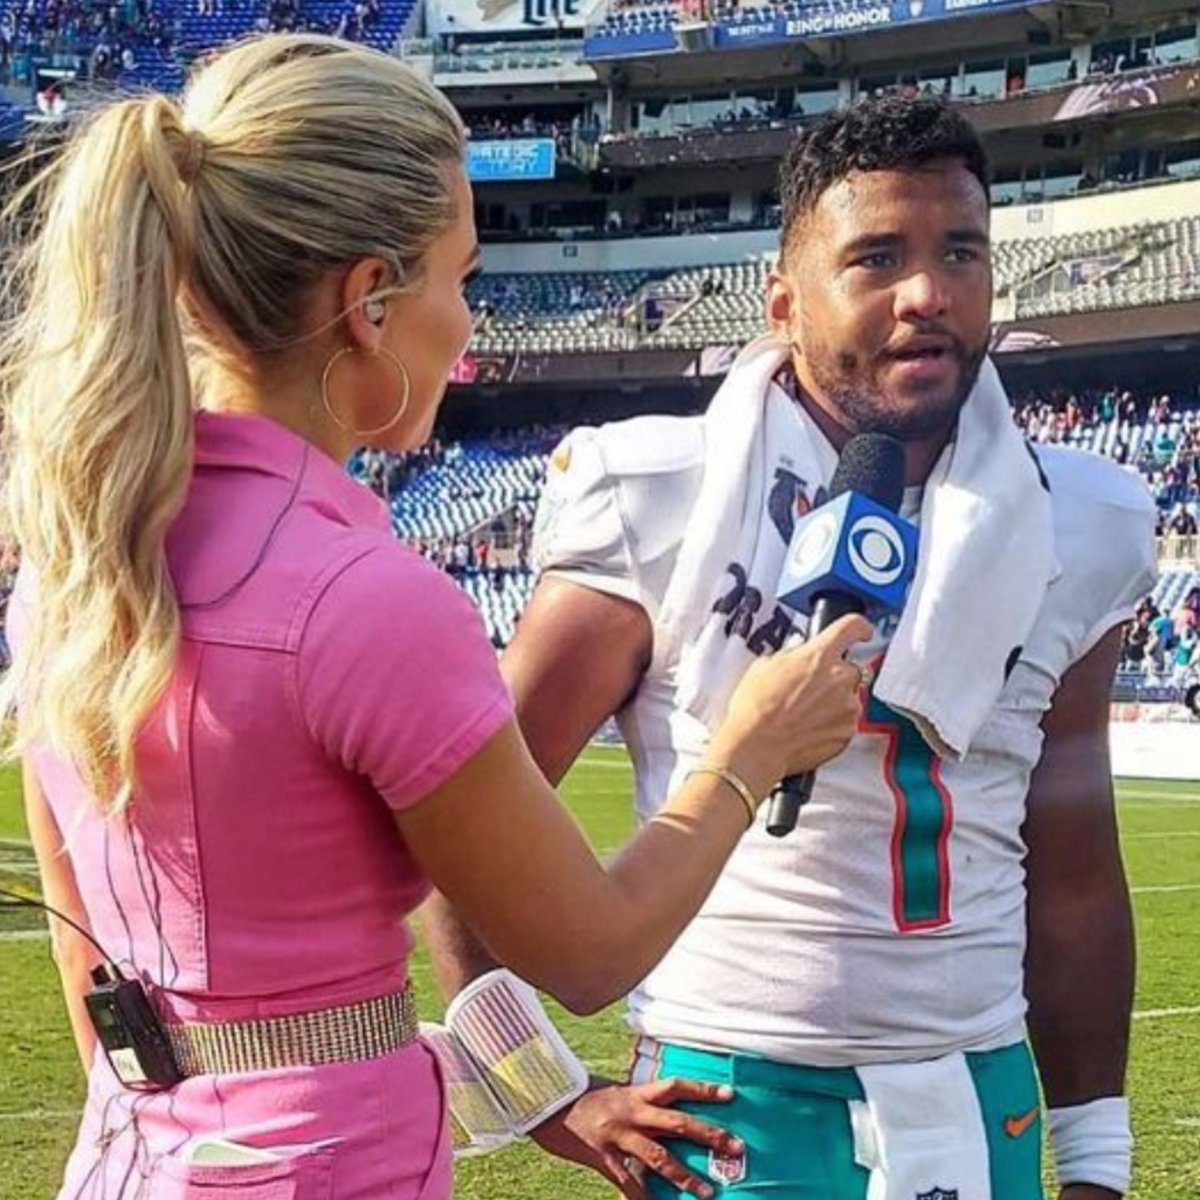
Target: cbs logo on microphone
(851,545)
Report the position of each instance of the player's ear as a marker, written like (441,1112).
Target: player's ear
(782,304)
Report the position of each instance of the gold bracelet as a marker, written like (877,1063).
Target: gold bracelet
(735,781)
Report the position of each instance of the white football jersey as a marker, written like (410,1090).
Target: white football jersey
(891,923)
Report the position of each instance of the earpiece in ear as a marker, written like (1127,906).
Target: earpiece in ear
(373,311)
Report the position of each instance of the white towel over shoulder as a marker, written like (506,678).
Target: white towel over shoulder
(985,561)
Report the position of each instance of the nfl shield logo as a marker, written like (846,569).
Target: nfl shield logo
(939,1194)
(726,1168)
(915,9)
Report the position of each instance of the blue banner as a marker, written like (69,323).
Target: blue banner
(607,44)
(831,22)
(748,33)
(814,21)
(519,158)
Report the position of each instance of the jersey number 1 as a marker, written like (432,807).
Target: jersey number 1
(924,818)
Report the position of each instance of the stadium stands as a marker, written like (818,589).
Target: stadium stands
(632,18)
(544,313)
(722,305)
(1172,587)
(1124,267)
(482,491)
(625,310)
(150,45)
(483,57)
(1154,263)
(217,22)
(469,506)
(500,595)
(475,482)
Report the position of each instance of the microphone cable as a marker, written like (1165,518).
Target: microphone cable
(15,900)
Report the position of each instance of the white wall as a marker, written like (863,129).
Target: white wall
(1163,202)
(1155,749)
(542,76)
(630,254)
(1079,214)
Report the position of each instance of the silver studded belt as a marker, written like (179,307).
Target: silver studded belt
(345,1033)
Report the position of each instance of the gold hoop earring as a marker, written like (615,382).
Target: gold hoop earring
(327,404)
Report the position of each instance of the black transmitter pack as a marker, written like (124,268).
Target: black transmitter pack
(130,1032)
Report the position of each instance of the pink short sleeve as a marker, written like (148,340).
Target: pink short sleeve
(397,680)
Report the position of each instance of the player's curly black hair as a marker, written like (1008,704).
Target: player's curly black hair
(888,133)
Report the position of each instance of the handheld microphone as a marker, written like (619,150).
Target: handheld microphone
(853,554)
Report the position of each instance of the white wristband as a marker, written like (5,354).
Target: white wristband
(507,1068)
(1093,1143)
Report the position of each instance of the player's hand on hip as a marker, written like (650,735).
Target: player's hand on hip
(614,1129)
(794,710)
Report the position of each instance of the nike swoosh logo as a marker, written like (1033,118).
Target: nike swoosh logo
(1015,1126)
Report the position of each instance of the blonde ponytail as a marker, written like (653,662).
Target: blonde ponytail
(292,156)
(98,439)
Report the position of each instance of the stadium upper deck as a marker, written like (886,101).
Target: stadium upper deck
(628,204)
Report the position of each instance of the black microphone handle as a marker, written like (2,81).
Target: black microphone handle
(794,791)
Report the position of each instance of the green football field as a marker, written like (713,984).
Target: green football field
(40,1084)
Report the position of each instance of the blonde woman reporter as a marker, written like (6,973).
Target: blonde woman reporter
(254,728)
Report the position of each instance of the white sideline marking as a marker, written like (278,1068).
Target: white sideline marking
(1146,1014)
(25,935)
(1157,1014)
(603,763)
(1164,887)
(1144,837)
(42,1114)
(1132,791)
(1154,802)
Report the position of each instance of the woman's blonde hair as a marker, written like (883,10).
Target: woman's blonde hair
(206,223)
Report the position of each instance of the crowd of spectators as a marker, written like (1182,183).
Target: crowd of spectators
(103,35)
(1168,456)
(500,128)
(356,21)
(500,549)
(386,474)
(1164,645)
(751,113)
(1161,645)
(497,551)
(1157,435)
(353,23)
(1060,416)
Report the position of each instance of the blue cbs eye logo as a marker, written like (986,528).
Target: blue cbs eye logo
(876,550)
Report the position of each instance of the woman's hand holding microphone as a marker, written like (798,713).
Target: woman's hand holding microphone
(791,711)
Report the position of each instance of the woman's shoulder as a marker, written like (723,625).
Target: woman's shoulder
(372,566)
(379,591)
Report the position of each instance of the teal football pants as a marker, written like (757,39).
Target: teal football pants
(795,1122)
